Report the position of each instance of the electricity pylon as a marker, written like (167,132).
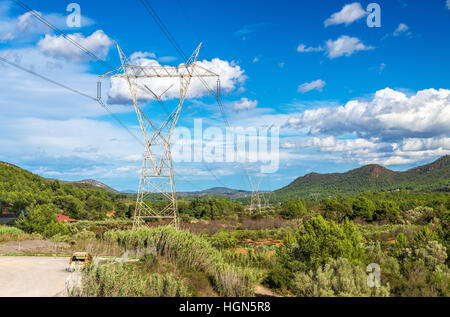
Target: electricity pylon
(255,202)
(157,169)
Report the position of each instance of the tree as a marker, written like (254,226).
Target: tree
(293,209)
(41,219)
(121,210)
(364,208)
(321,240)
(387,210)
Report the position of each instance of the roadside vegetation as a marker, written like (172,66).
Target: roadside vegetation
(296,247)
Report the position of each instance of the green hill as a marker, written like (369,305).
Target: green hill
(20,189)
(430,177)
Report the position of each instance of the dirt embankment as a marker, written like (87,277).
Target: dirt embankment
(34,247)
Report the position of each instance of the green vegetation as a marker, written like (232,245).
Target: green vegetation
(187,250)
(123,280)
(302,245)
(431,177)
(20,190)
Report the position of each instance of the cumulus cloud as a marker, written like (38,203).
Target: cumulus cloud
(348,14)
(345,45)
(448,4)
(25,20)
(316,84)
(391,116)
(245,104)
(57,46)
(402,28)
(231,77)
(136,56)
(288,145)
(26,26)
(302,48)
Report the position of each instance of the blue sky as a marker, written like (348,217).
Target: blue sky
(343,94)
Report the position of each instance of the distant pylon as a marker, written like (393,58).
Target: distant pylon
(157,169)
(255,202)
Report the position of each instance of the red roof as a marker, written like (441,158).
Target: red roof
(62,218)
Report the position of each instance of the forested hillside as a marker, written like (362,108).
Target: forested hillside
(430,177)
(20,189)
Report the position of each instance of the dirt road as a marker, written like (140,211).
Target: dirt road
(30,276)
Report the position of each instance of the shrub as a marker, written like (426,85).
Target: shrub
(422,237)
(191,251)
(337,278)
(279,278)
(419,215)
(433,254)
(12,231)
(122,280)
(321,240)
(111,280)
(364,208)
(293,209)
(41,219)
(223,240)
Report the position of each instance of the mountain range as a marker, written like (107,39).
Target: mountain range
(431,177)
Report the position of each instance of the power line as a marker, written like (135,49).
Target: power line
(58,31)
(105,64)
(180,51)
(86,96)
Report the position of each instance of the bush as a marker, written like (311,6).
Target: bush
(122,280)
(279,278)
(223,240)
(12,231)
(41,219)
(321,240)
(293,209)
(337,278)
(364,208)
(190,251)
(419,215)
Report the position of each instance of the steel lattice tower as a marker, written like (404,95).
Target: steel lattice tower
(157,175)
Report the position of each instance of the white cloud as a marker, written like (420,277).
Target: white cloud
(402,28)
(316,84)
(348,14)
(288,145)
(448,4)
(57,46)
(136,56)
(245,104)
(7,37)
(231,77)
(345,45)
(24,94)
(390,115)
(373,150)
(25,20)
(302,48)
(26,27)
